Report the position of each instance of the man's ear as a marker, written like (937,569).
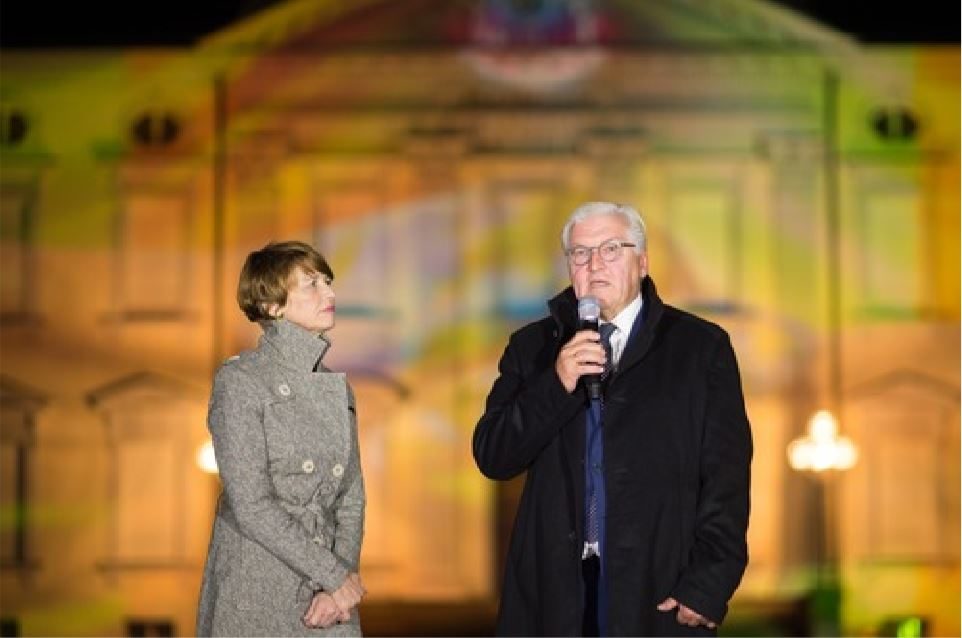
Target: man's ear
(643,264)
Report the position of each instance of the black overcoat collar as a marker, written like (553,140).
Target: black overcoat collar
(564,310)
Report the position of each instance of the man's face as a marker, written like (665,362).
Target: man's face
(615,283)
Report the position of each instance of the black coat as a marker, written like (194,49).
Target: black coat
(677,450)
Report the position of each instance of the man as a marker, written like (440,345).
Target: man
(635,506)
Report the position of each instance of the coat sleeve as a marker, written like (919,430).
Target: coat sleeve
(349,510)
(240,447)
(521,416)
(720,552)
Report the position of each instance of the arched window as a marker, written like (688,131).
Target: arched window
(153,427)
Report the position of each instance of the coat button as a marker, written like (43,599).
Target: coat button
(307,466)
(338,470)
(284,390)
(318,540)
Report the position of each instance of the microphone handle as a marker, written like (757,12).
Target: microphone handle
(592,381)
(593,386)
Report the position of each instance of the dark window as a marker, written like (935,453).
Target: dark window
(156,129)
(895,123)
(14,127)
(149,627)
(9,626)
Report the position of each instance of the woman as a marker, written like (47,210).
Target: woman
(283,556)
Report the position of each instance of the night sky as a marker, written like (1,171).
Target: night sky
(46,23)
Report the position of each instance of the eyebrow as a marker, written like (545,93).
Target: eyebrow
(603,241)
(319,275)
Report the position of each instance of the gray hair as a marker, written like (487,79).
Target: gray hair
(636,226)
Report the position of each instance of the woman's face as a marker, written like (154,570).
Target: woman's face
(310,301)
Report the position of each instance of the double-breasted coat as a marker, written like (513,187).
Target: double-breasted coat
(290,517)
(677,451)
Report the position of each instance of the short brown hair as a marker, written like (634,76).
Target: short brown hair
(268,272)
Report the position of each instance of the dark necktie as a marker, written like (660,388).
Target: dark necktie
(594,451)
(606,330)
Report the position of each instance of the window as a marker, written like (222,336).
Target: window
(150,423)
(890,250)
(702,224)
(149,627)
(361,245)
(16,210)
(903,495)
(152,268)
(523,211)
(17,415)
(9,626)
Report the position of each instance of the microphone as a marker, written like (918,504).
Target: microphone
(589,312)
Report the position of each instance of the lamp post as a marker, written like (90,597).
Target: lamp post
(823,451)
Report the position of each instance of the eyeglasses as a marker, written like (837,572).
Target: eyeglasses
(609,251)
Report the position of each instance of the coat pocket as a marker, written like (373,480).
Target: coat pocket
(295,479)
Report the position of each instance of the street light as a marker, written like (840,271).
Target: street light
(820,450)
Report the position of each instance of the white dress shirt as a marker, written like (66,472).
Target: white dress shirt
(623,324)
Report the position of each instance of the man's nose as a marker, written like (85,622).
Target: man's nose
(595,262)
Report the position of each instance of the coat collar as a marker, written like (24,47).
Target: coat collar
(292,345)
(642,336)
(564,310)
(564,306)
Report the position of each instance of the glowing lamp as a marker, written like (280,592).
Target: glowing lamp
(822,448)
(205,458)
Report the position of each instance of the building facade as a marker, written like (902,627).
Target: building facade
(800,189)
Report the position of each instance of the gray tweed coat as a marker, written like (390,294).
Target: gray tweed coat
(290,517)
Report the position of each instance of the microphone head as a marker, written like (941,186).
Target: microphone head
(589,309)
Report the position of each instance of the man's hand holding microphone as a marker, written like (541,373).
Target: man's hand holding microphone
(583,355)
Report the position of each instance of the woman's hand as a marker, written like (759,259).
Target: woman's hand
(323,612)
(349,594)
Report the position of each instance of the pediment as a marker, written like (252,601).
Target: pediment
(907,383)
(140,389)
(391,25)
(15,395)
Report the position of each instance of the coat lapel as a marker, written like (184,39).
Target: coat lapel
(572,449)
(643,332)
